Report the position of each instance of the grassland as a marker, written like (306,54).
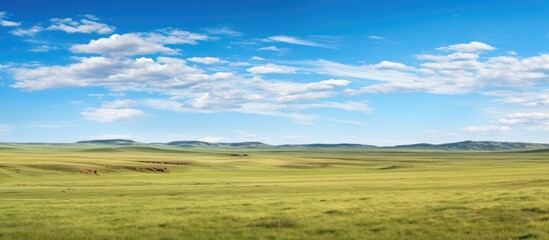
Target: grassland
(94,192)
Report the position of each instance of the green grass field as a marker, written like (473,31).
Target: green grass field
(94,192)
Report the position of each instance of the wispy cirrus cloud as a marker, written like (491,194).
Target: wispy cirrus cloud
(273,48)
(223,31)
(5,129)
(43,48)
(206,60)
(6,23)
(298,41)
(28,32)
(87,24)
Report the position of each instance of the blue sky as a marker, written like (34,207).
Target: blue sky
(373,72)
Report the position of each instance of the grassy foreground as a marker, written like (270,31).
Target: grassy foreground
(78,192)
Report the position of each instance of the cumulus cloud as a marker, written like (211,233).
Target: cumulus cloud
(88,24)
(131,44)
(7,23)
(123,45)
(271,68)
(113,73)
(29,32)
(257,58)
(297,41)
(489,129)
(473,46)
(190,88)
(530,100)
(454,73)
(107,115)
(388,65)
(205,60)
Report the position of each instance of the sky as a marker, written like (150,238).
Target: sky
(279,72)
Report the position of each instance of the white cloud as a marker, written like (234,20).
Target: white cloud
(336,82)
(120,103)
(131,44)
(190,89)
(257,58)
(6,23)
(88,24)
(273,48)
(297,41)
(223,31)
(43,48)
(123,45)
(468,47)
(347,106)
(530,100)
(117,73)
(211,139)
(376,37)
(490,129)
(458,56)
(107,115)
(4,129)
(536,120)
(371,72)
(455,73)
(388,65)
(205,60)
(271,68)
(29,32)
(379,39)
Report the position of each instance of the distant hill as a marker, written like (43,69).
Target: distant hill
(464,146)
(208,144)
(109,142)
(477,145)
(327,145)
(189,144)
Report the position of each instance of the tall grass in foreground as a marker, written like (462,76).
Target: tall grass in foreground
(69,192)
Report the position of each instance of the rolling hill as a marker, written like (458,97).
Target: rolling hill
(477,145)
(462,146)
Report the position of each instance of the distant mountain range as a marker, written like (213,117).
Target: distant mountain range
(207,144)
(464,146)
(109,142)
(476,145)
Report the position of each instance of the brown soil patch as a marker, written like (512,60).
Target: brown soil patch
(306,165)
(152,169)
(238,155)
(89,171)
(168,162)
